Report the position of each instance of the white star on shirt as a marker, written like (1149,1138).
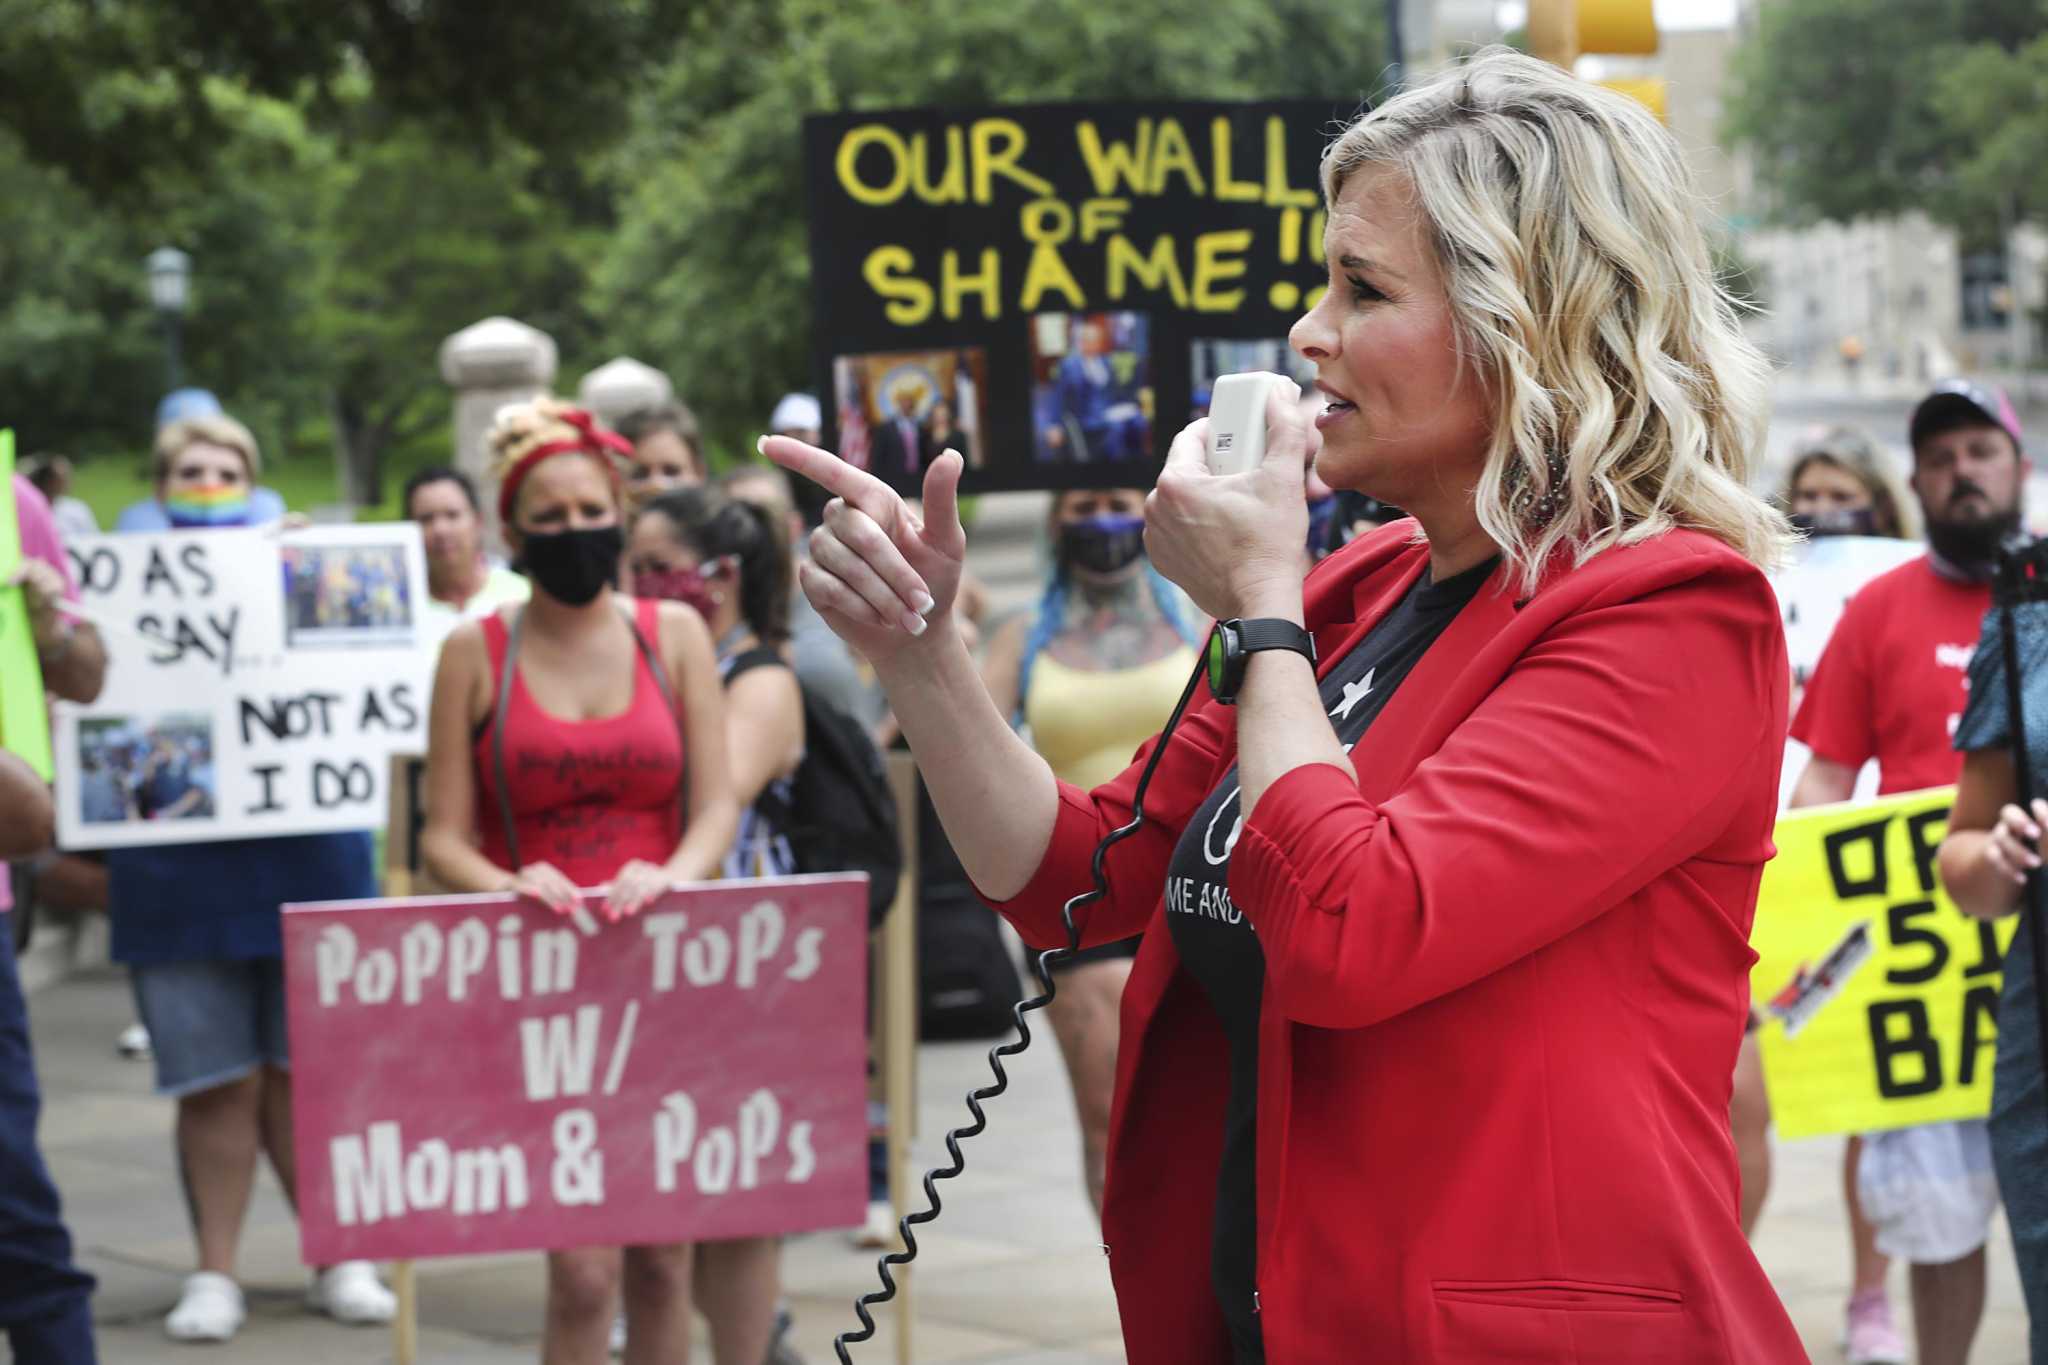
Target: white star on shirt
(1354,693)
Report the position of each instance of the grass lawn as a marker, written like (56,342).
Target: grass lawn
(110,483)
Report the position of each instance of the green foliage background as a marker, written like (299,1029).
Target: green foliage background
(357,179)
(1861,108)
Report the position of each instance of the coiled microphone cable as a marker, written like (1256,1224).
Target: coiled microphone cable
(1043,964)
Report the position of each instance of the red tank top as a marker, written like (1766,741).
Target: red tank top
(587,796)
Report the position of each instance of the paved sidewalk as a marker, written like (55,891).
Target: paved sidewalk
(1011,1275)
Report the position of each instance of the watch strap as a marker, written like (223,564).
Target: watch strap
(1273,632)
(1235,641)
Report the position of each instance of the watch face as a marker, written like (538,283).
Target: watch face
(1218,653)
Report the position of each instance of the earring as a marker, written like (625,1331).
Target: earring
(1522,498)
(717,599)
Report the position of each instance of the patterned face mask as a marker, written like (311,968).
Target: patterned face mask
(689,586)
(212,504)
(1102,544)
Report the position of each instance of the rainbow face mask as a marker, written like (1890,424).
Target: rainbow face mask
(216,504)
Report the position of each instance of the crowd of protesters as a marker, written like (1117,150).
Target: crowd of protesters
(639,602)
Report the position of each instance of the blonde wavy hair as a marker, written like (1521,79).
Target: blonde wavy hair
(1581,288)
(525,426)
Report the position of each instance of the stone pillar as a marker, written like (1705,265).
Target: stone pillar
(624,385)
(489,364)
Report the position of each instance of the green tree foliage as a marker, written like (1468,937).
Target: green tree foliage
(76,350)
(1996,100)
(417,239)
(355,179)
(111,91)
(81,355)
(708,275)
(1844,103)
(329,263)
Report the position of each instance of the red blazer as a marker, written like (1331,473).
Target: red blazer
(1506,977)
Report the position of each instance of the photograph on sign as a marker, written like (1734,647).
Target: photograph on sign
(1210,358)
(348,595)
(1091,388)
(901,410)
(141,768)
(257,683)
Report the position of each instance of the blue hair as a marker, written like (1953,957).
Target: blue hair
(1052,617)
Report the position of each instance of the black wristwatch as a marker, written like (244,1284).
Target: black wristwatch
(1233,643)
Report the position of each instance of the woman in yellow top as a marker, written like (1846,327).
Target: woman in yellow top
(1089,676)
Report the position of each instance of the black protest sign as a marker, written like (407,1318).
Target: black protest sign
(1051,289)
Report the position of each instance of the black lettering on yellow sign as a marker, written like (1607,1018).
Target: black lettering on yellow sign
(1908,1054)
(1989,959)
(1899,1033)
(1856,861)
(1893,1047)
(1980,1029)
(1924,830)
(1906,935)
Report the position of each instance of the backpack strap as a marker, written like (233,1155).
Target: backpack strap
(645,620)
(761,656)
(501,706)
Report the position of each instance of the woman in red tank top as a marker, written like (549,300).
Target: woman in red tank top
(594,761)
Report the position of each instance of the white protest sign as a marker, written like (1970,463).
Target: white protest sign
(1812,591)
(257,683)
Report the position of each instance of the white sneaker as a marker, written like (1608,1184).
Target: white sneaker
(618,1344)
(133,1043)
(880,1228)
(210,1308)
(352,1293)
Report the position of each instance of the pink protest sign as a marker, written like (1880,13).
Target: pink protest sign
(473,1074)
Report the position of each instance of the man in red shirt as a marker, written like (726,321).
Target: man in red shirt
(1891,686)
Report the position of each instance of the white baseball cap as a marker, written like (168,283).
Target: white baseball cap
(797,412)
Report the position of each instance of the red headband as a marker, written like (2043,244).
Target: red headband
(591,439)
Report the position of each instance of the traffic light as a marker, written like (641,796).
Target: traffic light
(1562,31)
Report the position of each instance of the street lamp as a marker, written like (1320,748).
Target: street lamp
(170,279)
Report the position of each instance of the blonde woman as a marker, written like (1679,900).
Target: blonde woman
(1426,1054)
(1838,487)
(592,678)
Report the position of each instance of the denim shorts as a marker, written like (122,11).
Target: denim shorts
(211,1022)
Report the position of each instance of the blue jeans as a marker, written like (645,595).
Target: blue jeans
(45,1300)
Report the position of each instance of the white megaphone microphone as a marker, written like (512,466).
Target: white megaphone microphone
(1237,419)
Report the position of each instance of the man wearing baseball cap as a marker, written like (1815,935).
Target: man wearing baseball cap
(1891,686)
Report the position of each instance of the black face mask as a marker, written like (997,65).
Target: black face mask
(1102,544)
(573,567)
(1856,521)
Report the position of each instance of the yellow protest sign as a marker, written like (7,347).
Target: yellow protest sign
(24,714)
(1879,997)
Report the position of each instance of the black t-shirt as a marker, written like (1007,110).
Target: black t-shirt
(1215,939)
